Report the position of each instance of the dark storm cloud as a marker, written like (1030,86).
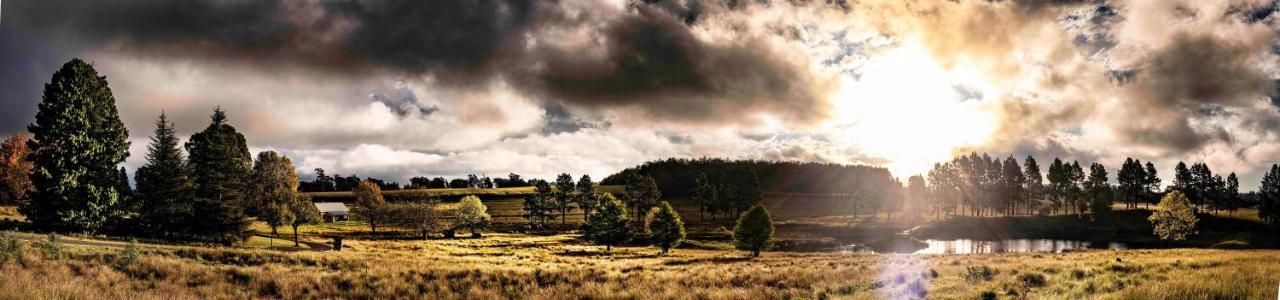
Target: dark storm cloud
(463,36)
(655,62)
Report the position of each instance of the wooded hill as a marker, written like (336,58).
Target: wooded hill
(675,176)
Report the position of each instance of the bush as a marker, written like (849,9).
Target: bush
(10,248)
(1031,279)
(979,273)
(128,256)
(51,248)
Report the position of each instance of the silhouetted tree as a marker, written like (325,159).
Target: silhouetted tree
(1034,182)
(1269,196)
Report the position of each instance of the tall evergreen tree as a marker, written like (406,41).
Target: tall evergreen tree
(642,193)
(1034,185)
(1099,191)
(704,193)
(585,198)
(221,164)
(1232,193)
(1153,183)
(164,184)
(77,143)
(1269,196)
(564,194)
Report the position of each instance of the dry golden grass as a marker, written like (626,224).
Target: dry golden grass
(560,266)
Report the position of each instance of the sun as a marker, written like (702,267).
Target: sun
(906,110)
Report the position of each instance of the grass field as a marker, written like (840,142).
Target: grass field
(560,266)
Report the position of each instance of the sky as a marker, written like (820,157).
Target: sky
(395,89)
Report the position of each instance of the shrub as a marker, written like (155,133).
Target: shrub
(979,273)
(128,256)
(1031,279)
(51,248)
(10,248)
(988,295)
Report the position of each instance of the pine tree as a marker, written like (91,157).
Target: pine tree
(273,188)
(586,197)
(664,227)
(754,230)
(1098,190)
(221,165)
(1269,196)
(704,193)
(77,142)
(1153,183)
(1034,184)
(1232,193)
(642,193)
(164,184)
(608,224)
(564,194)
(538,204)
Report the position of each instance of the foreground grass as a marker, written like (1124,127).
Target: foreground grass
(560,266)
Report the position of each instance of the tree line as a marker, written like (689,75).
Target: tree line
(67,177)
(724,188)
(326,183)
(982,185)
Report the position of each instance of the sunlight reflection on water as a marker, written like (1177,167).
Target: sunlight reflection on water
(966,246)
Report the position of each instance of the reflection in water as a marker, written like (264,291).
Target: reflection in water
(965,246)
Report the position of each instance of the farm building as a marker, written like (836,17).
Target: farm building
(332,211)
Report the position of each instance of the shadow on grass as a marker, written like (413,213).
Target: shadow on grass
(700,260)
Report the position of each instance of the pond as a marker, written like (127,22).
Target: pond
(966,246)
(906,245)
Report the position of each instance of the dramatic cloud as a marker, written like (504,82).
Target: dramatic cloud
(405,88)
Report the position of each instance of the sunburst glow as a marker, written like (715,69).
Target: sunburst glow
(905,109)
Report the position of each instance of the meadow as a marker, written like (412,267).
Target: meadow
(502,266)
(510,263)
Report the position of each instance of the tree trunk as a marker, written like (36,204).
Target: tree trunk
(295,235)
